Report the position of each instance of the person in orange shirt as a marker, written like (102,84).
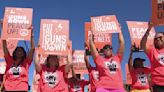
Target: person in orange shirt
(53,78)
(17,66)
(109,66)
(76,84)
(139,74)
(156,56)
(93,74)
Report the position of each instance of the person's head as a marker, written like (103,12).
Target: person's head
(159,40)
(52,61)
(107,51)
(19,53)
(138,63)
(78,76)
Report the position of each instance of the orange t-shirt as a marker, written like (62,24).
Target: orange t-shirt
(79,87)
(94,77)
(53,81)
(140,78)
(156,58)
(110,74)
(16,77)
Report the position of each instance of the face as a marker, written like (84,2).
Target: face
(107,52)
(53,61)
(19,52)
(139,64)
(159,41)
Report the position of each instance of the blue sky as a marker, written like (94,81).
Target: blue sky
(80,11)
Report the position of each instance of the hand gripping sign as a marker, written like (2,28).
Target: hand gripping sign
(137,30)
(100,39)
(16,23)
(128,76)
(54,36)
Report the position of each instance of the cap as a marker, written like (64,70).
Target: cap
(138,59)
(107,47)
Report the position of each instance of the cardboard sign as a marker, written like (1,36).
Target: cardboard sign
(105,24)
(100,39)
(2,67)
(16,23)
(54,36)
(128,76)
(157,12)
(79,63)
(11,45)
(137,31)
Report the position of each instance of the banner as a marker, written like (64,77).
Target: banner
(100,39)
(128,76)
(11,45)
(137,30)
(79,63)
(2,67)
(105,24)
(157,12)
(54,36)
(16,23)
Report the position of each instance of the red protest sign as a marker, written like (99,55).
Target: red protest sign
(16,23)
(2,67)
(157,12)
(54,36)
(100,39)
(105,24)
(79,63)
(137,30)
(128,76)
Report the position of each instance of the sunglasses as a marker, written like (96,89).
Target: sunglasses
(158,38)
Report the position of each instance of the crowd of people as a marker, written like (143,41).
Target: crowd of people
(105,77)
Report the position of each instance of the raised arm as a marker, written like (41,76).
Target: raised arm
(69,58)
(38,66)
(86,59)
(32,50)
(122,44)
(145,37)
(94,51)
(5,49)
(130,63)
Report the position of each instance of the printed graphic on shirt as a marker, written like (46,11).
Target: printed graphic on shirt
(161,59)
(96,75)
(51,78)
(77,88)
(15,71)
(112,66)
(142,78)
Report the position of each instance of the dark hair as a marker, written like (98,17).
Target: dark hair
(136,60)
(78,76)
(24,52)
(47,60)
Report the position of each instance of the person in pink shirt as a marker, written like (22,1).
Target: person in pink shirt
(93,74)
(17,67)
(76,84)
(156,56)
(53,78)
(109,66)
(139,74)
